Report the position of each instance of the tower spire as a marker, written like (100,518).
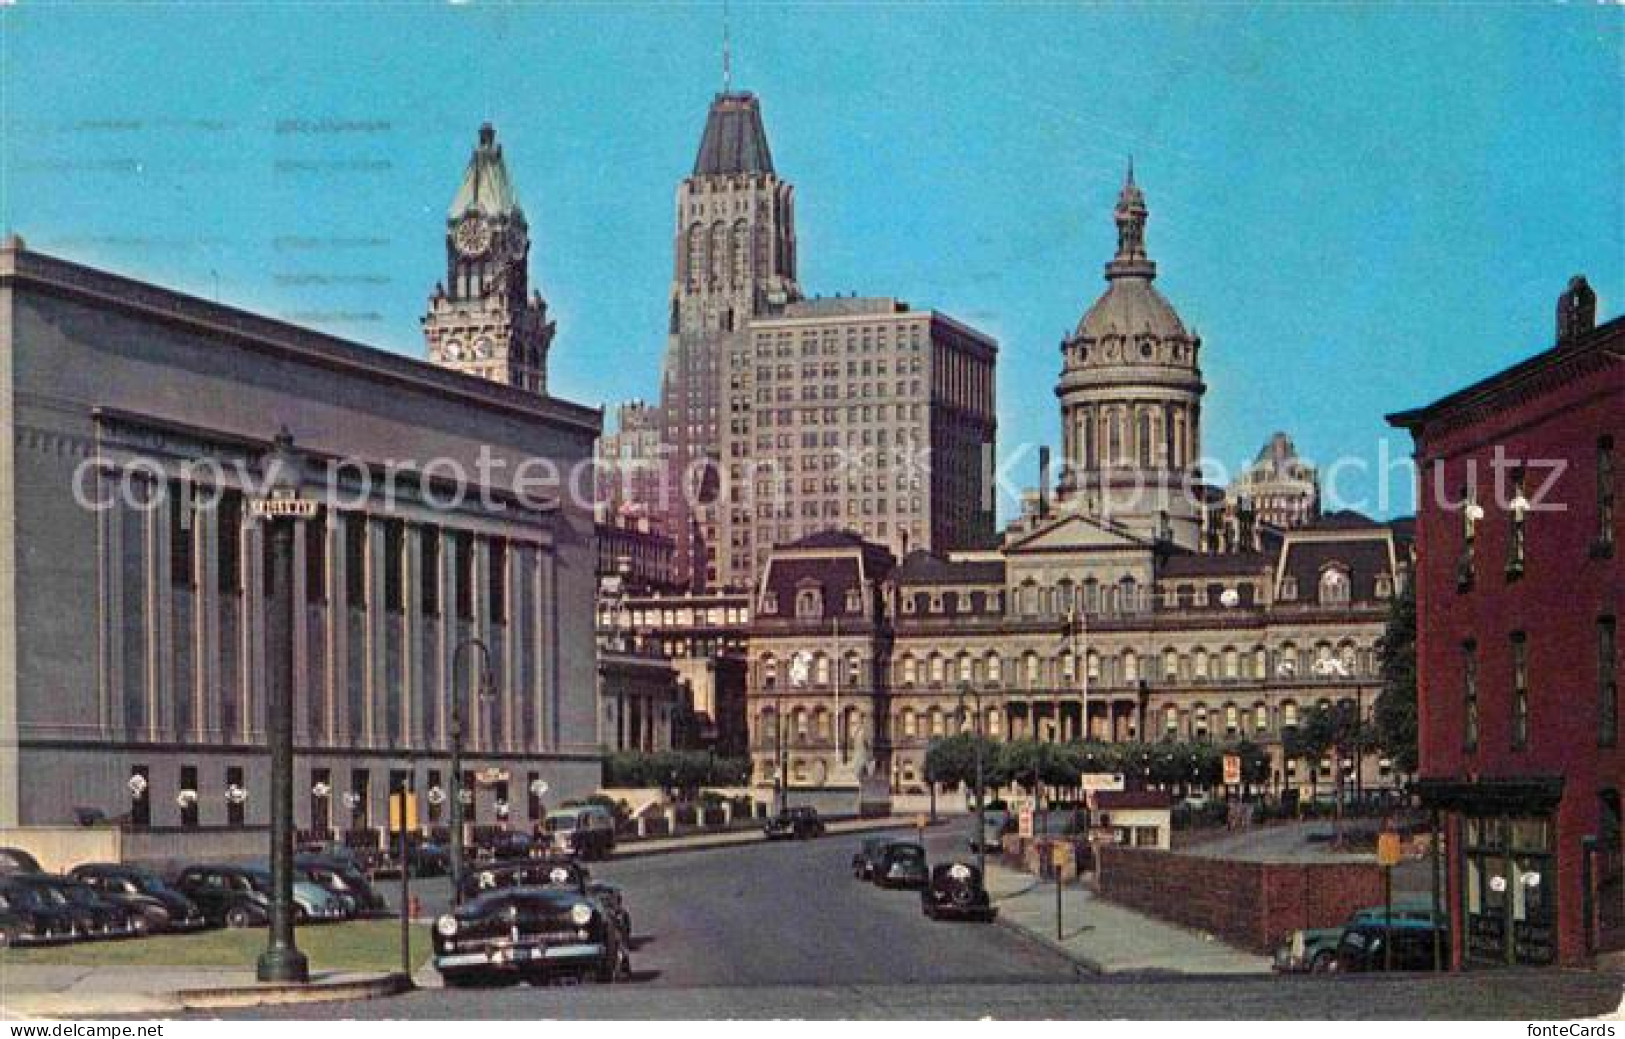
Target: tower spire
(727,51)
(1130,215)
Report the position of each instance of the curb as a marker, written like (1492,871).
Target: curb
(272,995)
(743,837)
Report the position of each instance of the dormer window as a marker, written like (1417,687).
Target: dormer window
(854,601)
(1289,589)
(936,602)
(1385,586)
(770,602)
(809,604)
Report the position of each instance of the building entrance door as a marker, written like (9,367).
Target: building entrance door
(1510,891)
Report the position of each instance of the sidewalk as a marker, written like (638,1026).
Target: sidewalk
(81,992)
(1108,939)
(754,835)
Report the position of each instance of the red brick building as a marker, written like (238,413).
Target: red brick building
(1519,591)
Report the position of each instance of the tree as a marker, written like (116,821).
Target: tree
(1394,714)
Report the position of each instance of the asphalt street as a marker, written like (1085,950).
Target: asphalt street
(782,930)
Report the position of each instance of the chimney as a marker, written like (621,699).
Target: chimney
(1043,482)
(1576,310)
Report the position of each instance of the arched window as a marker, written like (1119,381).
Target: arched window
(1069,671)
(1232,663)
(1170,664)
(911,726)
(1170,719)
(809,604)
(854,670)
(1031,669)
(911,669)
(1334,585)
(936,669)
(936,722)
(1092,665)
(1289,714)
(1261,662)
(995,668)
(965,667)
(1128,595)
(1232,719)
(1261,716)
(1201,663)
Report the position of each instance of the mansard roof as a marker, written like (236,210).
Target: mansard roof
(486,189)
(922,567)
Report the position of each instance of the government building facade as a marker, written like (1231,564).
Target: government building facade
(133,639)
(1129,602)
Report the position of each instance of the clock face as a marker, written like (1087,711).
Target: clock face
(472,237)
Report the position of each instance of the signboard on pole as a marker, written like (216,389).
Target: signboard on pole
(1388,849)
(1092,781)
(1025,821)
(1232,770)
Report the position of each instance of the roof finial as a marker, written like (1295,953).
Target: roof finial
(727,51)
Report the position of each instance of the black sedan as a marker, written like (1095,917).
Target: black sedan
(956,890)
(560,874)
(144,893)
(529,933)
(902,864)
(16,860)
(31,916)
(227,895)
(794,823)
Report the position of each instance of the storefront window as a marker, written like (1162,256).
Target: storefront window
(1510,894)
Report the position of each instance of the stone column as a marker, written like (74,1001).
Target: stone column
(511,639)
(339,733)
(155,555)
(412,638)
(375,675)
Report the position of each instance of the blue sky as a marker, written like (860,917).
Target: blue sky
(1359,208)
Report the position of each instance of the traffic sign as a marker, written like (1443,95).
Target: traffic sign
(1388,849)
(1232,769)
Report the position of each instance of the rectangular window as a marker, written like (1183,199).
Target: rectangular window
(1605,495)
(430,578)
(321,797)
(1520,691)
(360,798)
(463,544)
(316,558)
(229,537)
(188,796)
(236,795)
(355,560)
(140,796)
(182,529)
(498,584)
(1516,543)
(1607,683)
(1469,683)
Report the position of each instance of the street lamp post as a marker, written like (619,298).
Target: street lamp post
(481,691)
(981,795)
(281,961)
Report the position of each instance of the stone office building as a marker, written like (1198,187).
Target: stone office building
(1101,615)
(133,654)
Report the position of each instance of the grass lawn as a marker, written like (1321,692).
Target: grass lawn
(357,945)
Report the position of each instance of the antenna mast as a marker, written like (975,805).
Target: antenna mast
(727,52)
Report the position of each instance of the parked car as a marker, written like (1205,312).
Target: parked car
(561,874)
(1315,948)
(956,890)
(505,844)
(30,916)
(587,831)
(93,916)
(428,858)
(240,896)
(867,857)
(1363,946)
(142,891)
(532,933)
(799,823)
(348,883)
(902,864)
(991,837)
(16,860)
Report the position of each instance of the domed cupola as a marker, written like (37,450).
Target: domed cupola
(1130,388)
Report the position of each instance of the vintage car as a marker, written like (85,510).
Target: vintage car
(800,823)
(32,916)
(16,860)
(560,873)
(867,857)
(587,831)
(240,896)
(956,890)
(990,837)
(141,891)
(529,933)
(1315,948)
(1363,946)
(93,916)
(349,884)
(902,864)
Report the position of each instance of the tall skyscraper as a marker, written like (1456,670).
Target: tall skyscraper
(735,259)
(484,319)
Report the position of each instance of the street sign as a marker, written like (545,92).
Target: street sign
(1232,769)
(283,506)
(1388,849)
(491,776)
(1092,781)
(1025,820)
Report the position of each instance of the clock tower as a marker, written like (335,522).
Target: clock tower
(484,319)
